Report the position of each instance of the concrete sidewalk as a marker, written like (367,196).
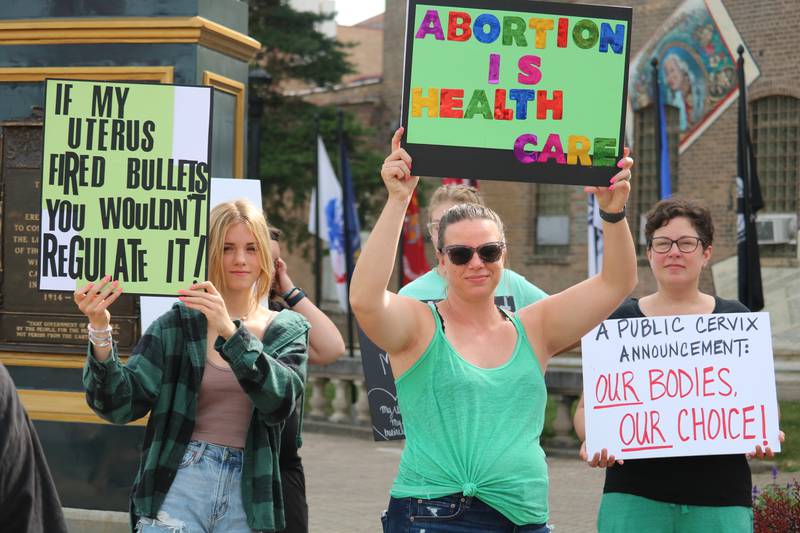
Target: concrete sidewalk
(348,481)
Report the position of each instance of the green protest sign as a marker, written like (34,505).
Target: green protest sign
(125,185)
(516,90)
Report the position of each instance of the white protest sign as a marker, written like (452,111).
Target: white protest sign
(222,190)
(680,385)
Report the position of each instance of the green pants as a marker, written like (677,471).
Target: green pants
(626,513)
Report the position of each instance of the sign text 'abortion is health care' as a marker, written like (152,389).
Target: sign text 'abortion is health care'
(516,90)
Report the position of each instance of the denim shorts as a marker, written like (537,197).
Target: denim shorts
(206,495)
(455,513)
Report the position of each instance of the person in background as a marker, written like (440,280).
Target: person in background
(218,375)
(694,494)
(28,498)
(325,345)
(514,291)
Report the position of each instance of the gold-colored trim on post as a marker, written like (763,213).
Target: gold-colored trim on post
(130,30)
(62,406)
(46,360)
(162,74)
(237,89)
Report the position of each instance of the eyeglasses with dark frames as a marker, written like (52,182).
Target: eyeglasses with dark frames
(686,244)
(460,254)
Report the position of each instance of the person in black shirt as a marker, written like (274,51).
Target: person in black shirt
(693,494)
(28,498)
(325,345)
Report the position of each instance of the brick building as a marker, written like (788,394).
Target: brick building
(705,168)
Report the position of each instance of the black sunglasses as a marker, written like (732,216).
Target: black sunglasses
(460,254)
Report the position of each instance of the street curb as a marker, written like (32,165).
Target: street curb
(91,521)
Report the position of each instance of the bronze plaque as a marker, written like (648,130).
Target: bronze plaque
(28,316)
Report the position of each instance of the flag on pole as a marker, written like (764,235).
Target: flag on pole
(331,220)
(353,241)
(595,243)
(751,292)
(662,147)
(414,262)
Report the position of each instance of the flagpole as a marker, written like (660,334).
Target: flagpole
(317,241)
(658,125)
(348,245)
(400,269)
(751,292)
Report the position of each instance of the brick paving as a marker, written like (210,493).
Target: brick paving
(348,481)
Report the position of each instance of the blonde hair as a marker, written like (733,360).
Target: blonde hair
(453,194)
(460,212)
(222,218)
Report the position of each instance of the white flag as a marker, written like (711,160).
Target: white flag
(594,248)
(331,219)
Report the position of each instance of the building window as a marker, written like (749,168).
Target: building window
(775,131)
(552,218)
(646,188)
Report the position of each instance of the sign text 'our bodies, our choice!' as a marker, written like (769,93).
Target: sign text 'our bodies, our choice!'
(680,385)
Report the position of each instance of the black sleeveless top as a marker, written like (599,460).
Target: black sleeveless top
(710,480)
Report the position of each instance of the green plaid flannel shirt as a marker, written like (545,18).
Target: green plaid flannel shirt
(162,377)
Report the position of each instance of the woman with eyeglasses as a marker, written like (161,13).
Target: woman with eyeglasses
(469,375)
(668,494)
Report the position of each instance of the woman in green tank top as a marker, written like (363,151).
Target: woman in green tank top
(470,377)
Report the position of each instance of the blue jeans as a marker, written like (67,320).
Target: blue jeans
(455,513)
(206,495)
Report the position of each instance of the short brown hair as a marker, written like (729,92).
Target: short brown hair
(275,234)
(455,194)
(665,210)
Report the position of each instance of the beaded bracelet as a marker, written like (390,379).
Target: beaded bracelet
(100,338)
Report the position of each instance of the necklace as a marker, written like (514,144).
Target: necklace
(250,309)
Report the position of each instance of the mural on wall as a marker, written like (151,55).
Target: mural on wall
(696,52)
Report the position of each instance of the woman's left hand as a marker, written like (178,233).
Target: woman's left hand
(282,275)
(204,297)
(612,199)
(767,452)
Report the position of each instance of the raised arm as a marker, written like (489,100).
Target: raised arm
(325,343)
(560,320)
(392,322)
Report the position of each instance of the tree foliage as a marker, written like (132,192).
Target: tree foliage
(294,50)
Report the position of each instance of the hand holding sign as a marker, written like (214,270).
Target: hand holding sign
(767,452)
(204,297)
(396,170)
(93,301)
(613,198)
(599,459)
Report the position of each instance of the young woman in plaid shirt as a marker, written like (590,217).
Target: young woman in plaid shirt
(218,375)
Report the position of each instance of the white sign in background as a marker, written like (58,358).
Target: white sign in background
(222,190)
(680,385)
